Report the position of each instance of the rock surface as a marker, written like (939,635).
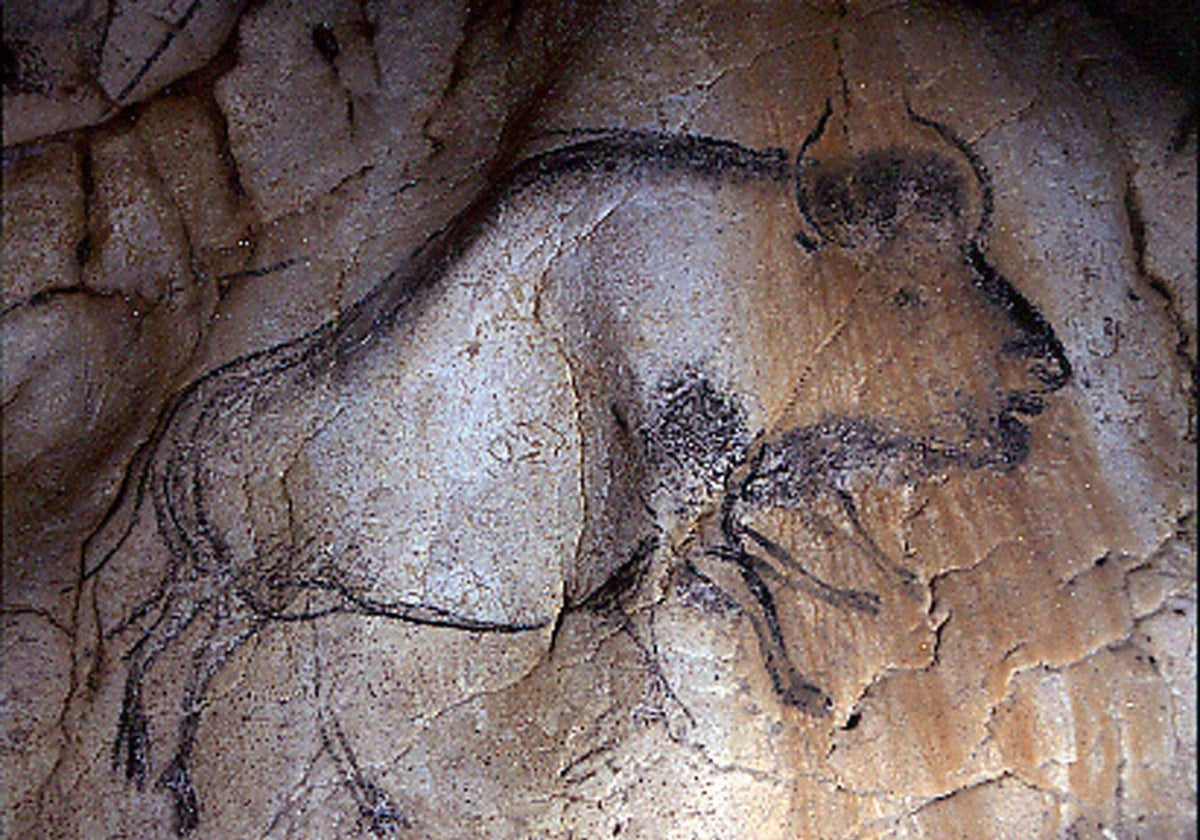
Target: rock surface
(596,420)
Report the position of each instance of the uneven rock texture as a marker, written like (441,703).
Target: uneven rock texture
(596,420)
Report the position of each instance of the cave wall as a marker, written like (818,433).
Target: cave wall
(733,297)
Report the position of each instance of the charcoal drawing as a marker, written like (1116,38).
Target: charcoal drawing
(248,543)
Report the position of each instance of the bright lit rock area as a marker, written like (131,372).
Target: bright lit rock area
(599,420)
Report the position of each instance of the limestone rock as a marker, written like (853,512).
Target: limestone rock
(596,420)
(72,65)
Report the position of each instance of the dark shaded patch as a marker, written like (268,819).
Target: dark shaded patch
(852,722)
(1164,35)
(22,69)
(828,456)
(1012,442)
(1185,127)
(9,66)
(869,197)
(619,418)
(83,250)
(326,42)
(807,461)
(697,429)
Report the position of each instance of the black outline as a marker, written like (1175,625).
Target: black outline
(171,471)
